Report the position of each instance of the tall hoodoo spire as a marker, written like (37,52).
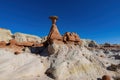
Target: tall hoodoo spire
(54,34)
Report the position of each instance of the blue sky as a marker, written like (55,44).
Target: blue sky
(98,20)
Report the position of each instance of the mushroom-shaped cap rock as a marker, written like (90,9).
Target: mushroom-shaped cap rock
(53,17)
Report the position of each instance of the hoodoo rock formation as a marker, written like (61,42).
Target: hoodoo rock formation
(54,34)
(68,37)
(56,57)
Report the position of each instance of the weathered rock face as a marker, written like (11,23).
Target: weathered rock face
(71,37)
(19,47)
(22,67)
(53,48)
(20,37)
(70,61)
(2,44)
(79,63)
(5,35)
(89,43)
(75,62)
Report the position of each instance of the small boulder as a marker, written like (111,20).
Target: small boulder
(106,77)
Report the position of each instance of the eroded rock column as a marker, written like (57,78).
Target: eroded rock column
(54,34)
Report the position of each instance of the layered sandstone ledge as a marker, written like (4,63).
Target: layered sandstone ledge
(18,42)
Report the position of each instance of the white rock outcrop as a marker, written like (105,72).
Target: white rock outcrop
(89,43)
(75,63)
(53,48)
(5,35)
(56,60)
(65,62)
(22,66)
(21,37)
